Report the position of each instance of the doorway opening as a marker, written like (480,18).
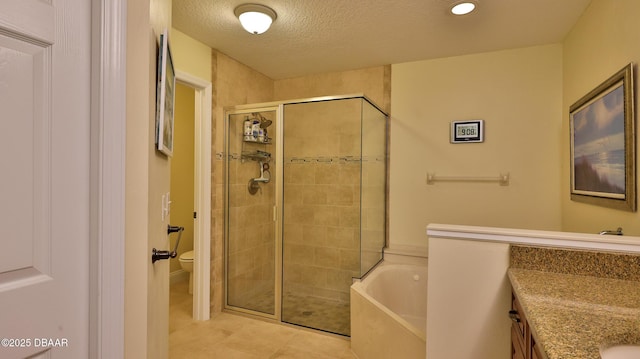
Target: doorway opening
(200,202)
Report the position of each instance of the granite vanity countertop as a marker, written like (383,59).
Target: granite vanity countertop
(572,316)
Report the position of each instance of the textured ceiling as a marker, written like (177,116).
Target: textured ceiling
(316,36)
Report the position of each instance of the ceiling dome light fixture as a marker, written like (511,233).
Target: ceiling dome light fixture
(255,18)
(463,8)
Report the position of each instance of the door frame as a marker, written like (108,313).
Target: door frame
(107,177)
(202,194)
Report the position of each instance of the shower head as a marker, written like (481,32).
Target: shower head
(264,123)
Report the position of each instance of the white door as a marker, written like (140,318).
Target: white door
(44,181)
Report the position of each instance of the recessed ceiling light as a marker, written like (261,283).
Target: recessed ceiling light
(463,8)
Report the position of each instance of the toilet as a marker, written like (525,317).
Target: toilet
(186,262)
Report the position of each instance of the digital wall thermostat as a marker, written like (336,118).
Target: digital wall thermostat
(467,131)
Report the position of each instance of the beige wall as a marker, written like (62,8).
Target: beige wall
(147,178)
(518,93)
(603,41)
(159,184)
(190,56)
(458,267)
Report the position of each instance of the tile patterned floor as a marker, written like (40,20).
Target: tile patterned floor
(320,313)
(229,336)
(325,314)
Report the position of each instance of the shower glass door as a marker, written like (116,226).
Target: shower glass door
(305,207)
(373,194)
(321,242)
(250,229)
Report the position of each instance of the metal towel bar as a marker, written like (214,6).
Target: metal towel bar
(503,179)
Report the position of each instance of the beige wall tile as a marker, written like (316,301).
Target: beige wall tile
(294,233)
(326,215)
(327,257)
(315,195)
(374,82)
(340,195)
(349,259)
(315,235)
(349,216)
(343,237)
(326,173)
(301,173)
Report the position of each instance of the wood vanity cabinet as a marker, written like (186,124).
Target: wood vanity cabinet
(519,330)
(535,350)
(523,345)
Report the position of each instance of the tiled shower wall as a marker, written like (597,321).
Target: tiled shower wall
(233,84)
(251,230)
(236,84)
(321,231)
(321,198)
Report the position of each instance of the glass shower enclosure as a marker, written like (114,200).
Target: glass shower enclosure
(305,207)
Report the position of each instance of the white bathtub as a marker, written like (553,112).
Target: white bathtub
(389,313)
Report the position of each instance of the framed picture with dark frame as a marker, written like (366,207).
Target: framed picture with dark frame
(603,149)
(165,97)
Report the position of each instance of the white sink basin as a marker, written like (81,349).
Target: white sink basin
(621,352)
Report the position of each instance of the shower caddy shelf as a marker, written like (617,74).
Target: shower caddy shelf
(257,155)
(267,142)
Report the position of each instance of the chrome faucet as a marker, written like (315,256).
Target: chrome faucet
(617,232)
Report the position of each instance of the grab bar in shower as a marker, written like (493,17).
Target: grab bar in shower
(503,179)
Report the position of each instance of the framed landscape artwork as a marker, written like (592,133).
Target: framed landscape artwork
(165,95)
(602,127)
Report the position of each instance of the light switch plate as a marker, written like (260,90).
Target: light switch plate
(167,208)
(162,207)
